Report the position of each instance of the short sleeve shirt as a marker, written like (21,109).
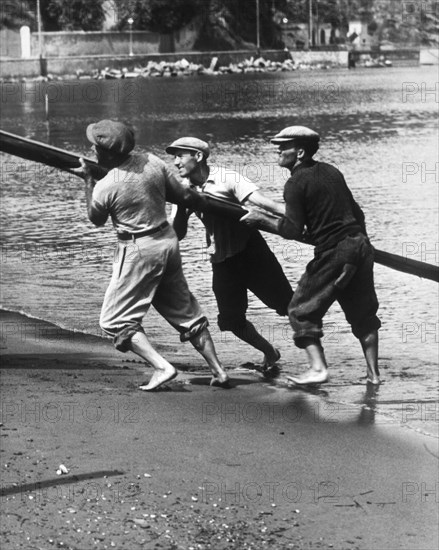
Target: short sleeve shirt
(134,193)
(226,237)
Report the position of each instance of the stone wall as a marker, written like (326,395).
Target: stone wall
(10,44)
(69,65)
(76,43)
(79,43)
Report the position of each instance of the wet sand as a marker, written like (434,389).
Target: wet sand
(259,465)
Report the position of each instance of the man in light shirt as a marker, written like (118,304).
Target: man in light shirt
(240,257)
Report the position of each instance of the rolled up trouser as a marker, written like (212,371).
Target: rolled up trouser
(148,272)
(317,291)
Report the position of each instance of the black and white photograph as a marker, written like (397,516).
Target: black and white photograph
(219,306)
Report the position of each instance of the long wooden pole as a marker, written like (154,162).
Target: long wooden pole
(65,160)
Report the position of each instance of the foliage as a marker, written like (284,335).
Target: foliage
(69,15)
(163,16)
(231,23)
(16,13)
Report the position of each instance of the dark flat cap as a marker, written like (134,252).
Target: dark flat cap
(111,135)
(189,143)
(292,133)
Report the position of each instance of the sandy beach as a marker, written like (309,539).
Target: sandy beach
(256,466)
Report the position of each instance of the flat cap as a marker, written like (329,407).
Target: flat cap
(111,135)
(292,133)
(189,143)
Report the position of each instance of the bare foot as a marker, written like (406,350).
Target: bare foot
(220,380)
(373,376)
(159,378)
(310,377)
(271,359)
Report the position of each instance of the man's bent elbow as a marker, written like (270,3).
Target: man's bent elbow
(97,219)
(289,231)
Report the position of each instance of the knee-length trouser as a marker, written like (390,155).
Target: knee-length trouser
(257,269)
(147,272)
(316,291)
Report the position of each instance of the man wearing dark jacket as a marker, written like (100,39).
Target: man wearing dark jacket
(320,205)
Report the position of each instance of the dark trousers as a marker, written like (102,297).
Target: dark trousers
(316,291)
(256,269)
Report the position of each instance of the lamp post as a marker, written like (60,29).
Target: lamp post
(258,31)
(130,23)
(40,46)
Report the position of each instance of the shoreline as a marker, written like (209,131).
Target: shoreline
(194,63)
(195,466)
(343,398)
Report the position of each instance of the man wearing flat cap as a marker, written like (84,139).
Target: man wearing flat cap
(240,257)
(147,268)
(318,200)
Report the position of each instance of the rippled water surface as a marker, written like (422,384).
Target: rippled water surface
(375,127)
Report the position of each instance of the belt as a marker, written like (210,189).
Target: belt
(133,236)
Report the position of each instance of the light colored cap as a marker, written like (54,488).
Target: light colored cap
(292,133)
(111,135)
(189,143)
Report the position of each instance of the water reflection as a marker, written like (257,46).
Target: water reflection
(367,414)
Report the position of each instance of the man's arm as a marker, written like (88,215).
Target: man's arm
(359,216)
(96,215)
(182,195)
(280,226)
(258,199)
(290,226)
(180,220)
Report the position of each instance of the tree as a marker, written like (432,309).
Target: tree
(70,15)
(16,13)
(163,16)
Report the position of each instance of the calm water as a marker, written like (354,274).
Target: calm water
(379,127)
